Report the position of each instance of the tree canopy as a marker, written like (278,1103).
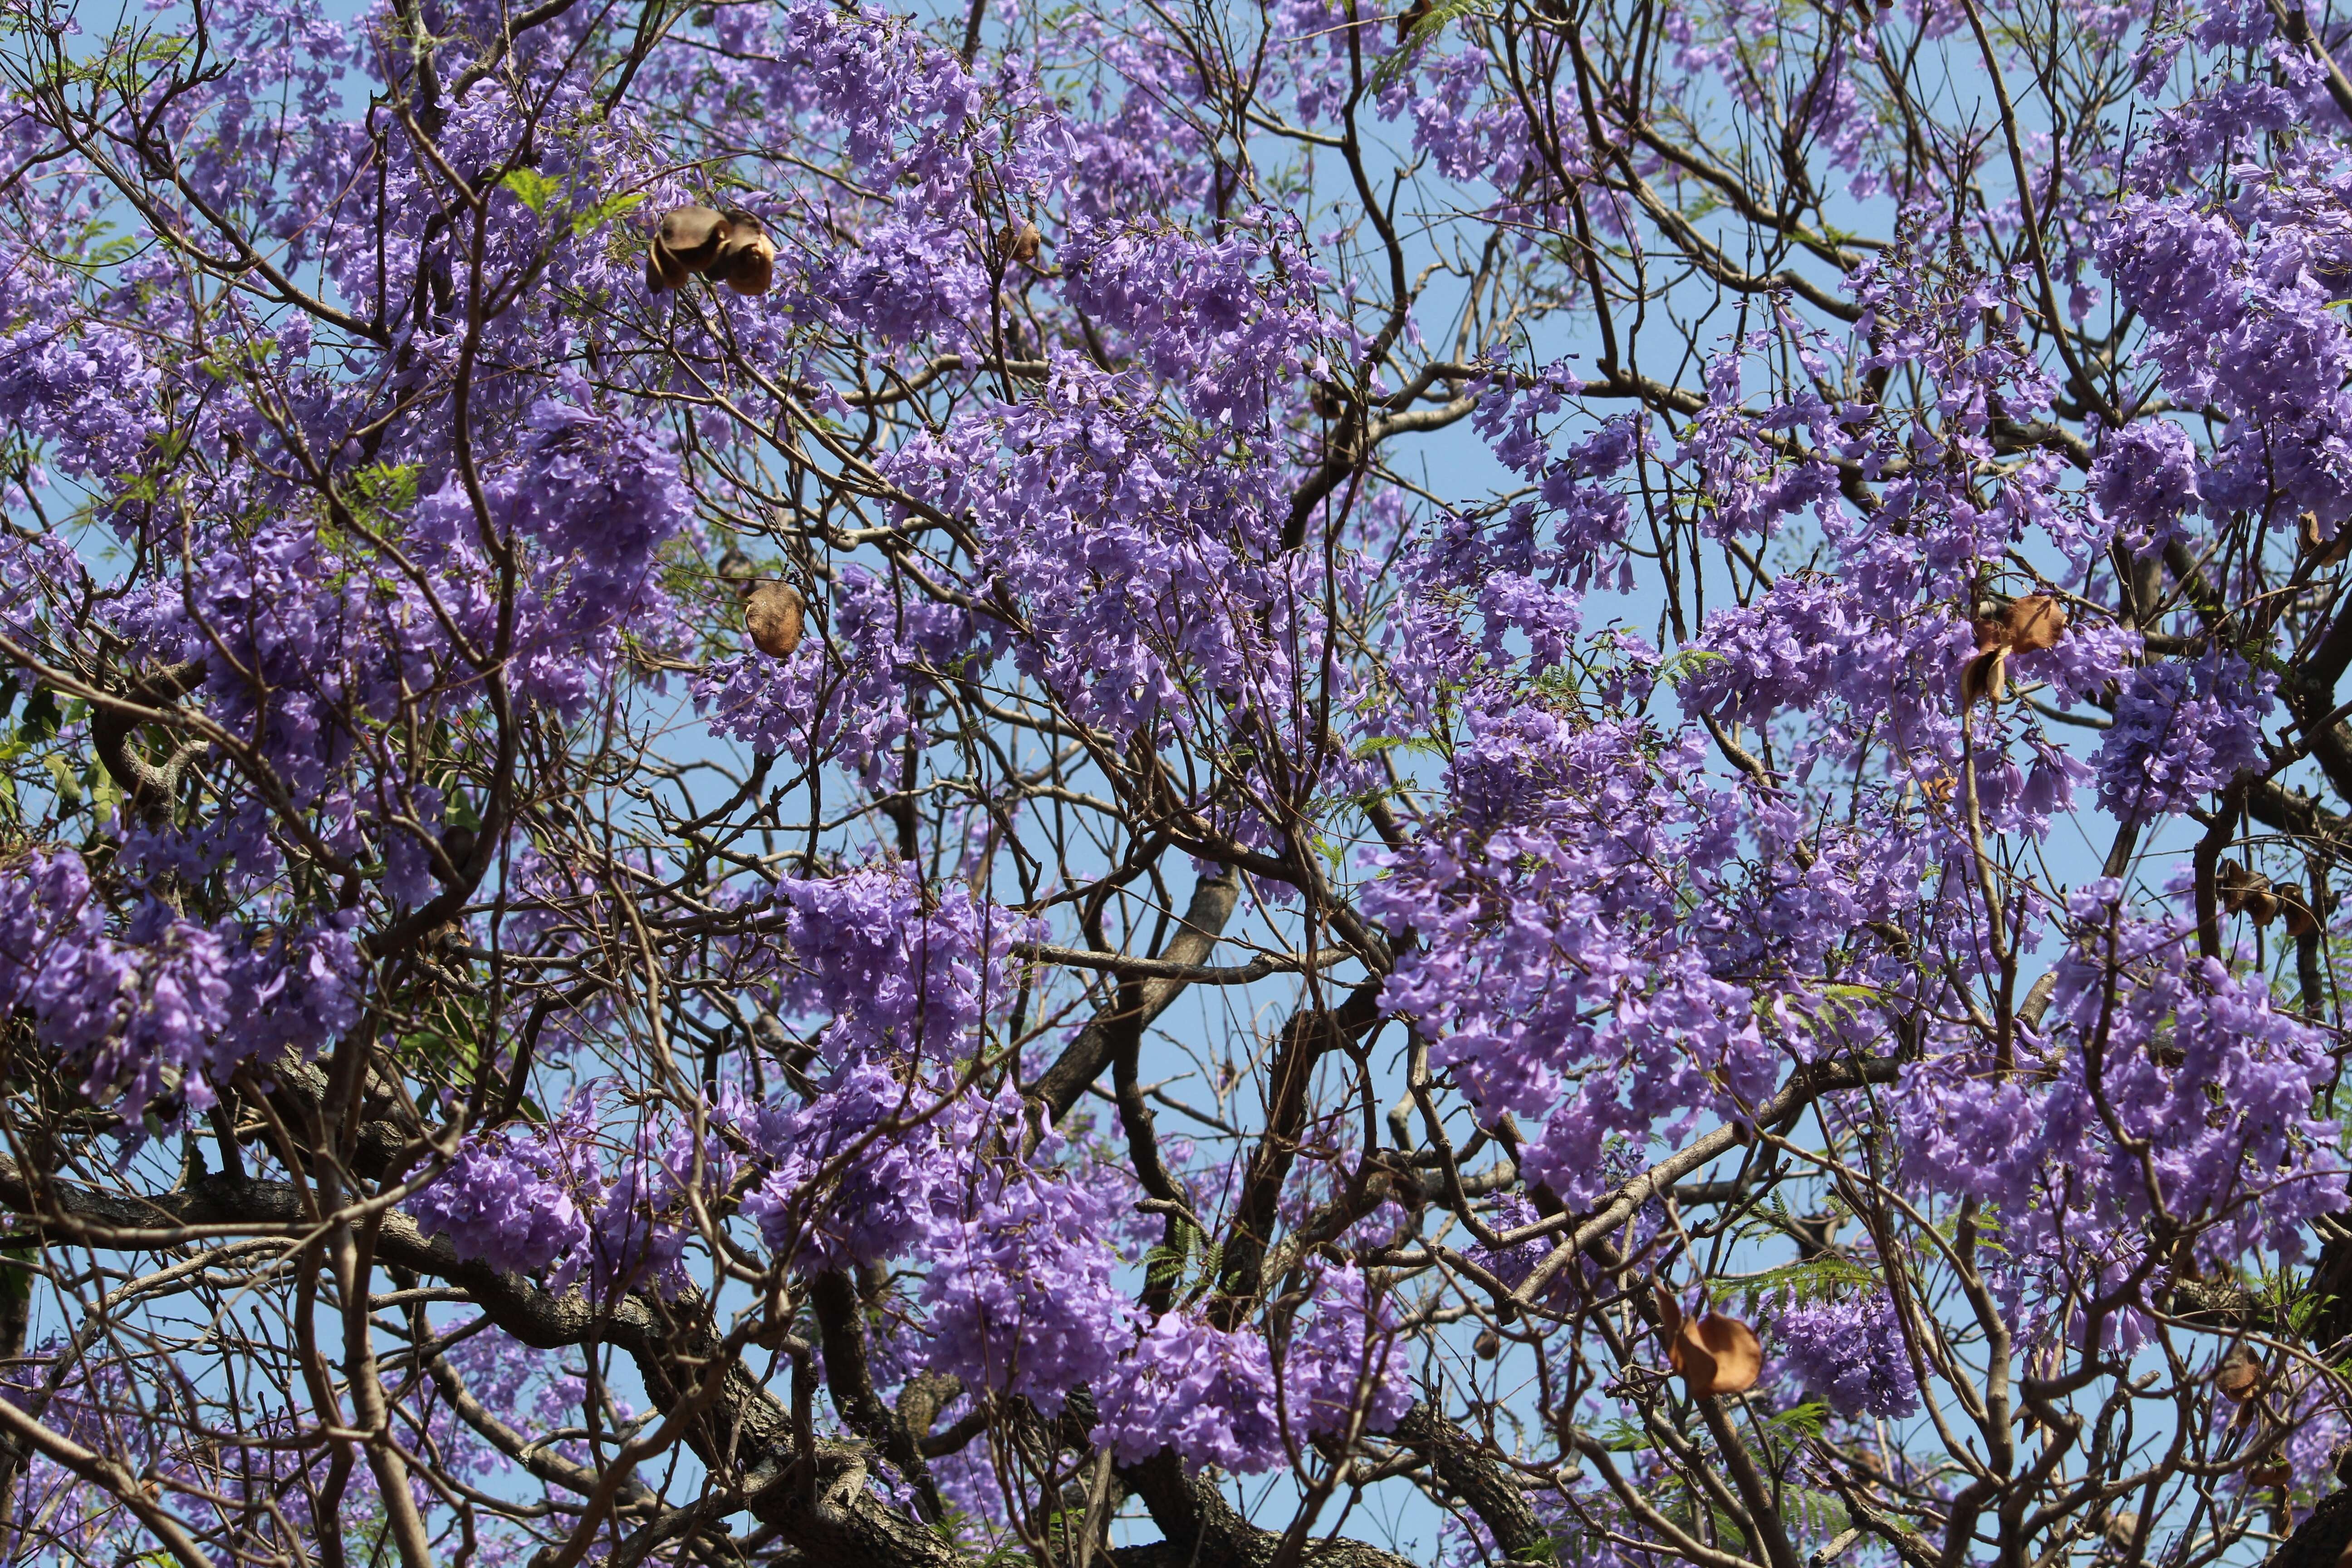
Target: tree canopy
(1185,785)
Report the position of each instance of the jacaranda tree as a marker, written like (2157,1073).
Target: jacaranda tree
(1249,782)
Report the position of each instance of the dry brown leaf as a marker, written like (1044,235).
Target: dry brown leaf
(2028,625)
(2239,1376)
(773,614)
(1716,1354)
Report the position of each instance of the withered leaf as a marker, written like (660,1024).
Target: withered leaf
(2035,622)
(774,616)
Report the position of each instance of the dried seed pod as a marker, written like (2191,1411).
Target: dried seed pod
(1489,1344)
(2035,622)
(2239,1376)
(1715,1354)
(1327,400)
(739,570)
(2237,888)
(2025,625)
(2121,1528)
(1985,679)
(2324,552)
(2273,1471)
(692,236)
(2295,909)
(664,270)
(746,260)
(774,616)
(1410,18)
(1019,244)
(458,845)
(2262,906)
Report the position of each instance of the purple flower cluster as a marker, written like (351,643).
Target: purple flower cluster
(519,1201)
(1849,1350)
(161,1002)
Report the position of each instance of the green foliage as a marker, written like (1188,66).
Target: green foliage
(1823,1278)
(538,193)
(1190,1259)
(1424,30)
(532,188)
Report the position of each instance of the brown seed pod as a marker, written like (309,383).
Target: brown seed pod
(1489,1344)
(2236,887)
(2322,552)
(2272,1472)
(2295,909)
(458,845)
(2241,1375)
(1019,244)
(2262,906)
(2035,622)
(1985,679)
(664,270)
(1410,18)
(2121,1528)
(746,261)
(2024,625)
(1715,1354)
(692,234)
(774,616)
